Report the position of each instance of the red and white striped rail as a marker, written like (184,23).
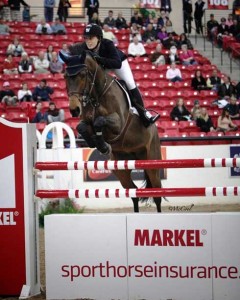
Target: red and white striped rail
(148,192)
(138,164)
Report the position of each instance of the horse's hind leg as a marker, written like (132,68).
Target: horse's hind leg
(154,181)
(127,183)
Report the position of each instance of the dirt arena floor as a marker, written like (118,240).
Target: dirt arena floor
(200,209)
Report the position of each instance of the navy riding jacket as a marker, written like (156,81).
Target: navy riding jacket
(111,57)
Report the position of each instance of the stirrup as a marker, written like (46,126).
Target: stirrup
(155,118)
(152,119)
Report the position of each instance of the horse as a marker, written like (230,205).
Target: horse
(108,121)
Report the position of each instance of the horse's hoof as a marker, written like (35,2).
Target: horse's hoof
(106,150)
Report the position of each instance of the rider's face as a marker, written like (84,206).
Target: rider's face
(91,41)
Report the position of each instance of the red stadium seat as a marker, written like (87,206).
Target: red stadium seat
(169,125)
(186,126)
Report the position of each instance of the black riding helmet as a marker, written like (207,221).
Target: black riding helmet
(93,30)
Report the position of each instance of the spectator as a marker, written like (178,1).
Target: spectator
(62,11)
(229,21)
(226,88)
(168,43)
(136,18)
(212,26)
(96,20)
(174,74)
(148,19)
(183,40)
(162,35)
(166,5)
(26,14)
(49,10)
(224,122)
(169,27)
(195,111)
(222,30)
(15,6)
(43,28)
(39,116)
(149,34)
(41,64)
(108,34)
(9,65)
(234,29)
(42,92)
(234,109)
(236,9)
(3,5)
(198,81)
(187,16)
(135,30)
(121,22)
(49,52)
(24,95)
(15,48)
(200,7)
(64,50)
(180,112)
(157,57)
(25,64)
(214,81)
(7,95)
(58,27)
(4,28)
(109,20)
(55,65)
(204,121)
(187,56)
(54,114)
(162,19)
(136,48)
(237,89)
(92,7)
(173,56)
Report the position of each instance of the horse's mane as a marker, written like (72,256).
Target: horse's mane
(76,49)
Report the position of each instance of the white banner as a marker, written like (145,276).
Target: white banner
(143,256)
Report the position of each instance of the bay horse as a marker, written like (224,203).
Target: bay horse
(107,120)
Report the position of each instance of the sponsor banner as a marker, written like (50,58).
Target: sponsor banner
(107,175)
(235,153)
(88,259)
(171,253)
(218,4)
(150,4)
(226,245)
(12,250)
(142,256)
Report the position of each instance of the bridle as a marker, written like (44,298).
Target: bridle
(85,96)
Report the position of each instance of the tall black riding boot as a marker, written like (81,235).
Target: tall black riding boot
(144,114)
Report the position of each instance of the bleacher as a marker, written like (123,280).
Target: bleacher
(159,94)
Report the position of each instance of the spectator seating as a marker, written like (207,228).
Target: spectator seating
(159,94)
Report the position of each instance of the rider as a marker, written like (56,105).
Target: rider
(109,57)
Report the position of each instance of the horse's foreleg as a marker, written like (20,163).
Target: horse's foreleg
(101,145)
(84,129)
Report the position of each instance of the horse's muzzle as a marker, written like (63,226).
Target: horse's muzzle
(75,112)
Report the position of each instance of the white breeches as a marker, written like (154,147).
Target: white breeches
(125,73)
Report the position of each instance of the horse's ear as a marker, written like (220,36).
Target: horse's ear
(64,57)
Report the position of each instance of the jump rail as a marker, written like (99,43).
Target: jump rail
(138,164)
(131,193)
